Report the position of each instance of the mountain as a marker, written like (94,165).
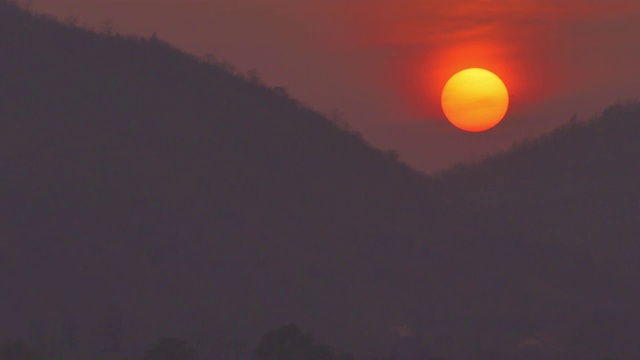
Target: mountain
(153,189)
(574,189)
(586,173)
(147,193)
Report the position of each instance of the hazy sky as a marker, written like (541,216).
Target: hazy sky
(383,63)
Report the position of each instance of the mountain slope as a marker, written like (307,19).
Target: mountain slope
(581,181)
(575,189)
(137,179)
(146,193)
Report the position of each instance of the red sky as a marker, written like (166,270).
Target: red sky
(383,63)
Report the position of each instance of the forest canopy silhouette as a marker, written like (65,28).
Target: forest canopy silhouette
(148,193)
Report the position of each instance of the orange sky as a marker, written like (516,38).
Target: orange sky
(383,62)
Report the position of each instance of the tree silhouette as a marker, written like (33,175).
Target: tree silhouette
(289,343)
(170,348)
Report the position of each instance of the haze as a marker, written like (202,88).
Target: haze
(370,61)
(158,204)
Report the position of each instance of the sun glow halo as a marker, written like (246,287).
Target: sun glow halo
(475,100)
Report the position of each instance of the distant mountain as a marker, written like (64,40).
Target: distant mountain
(146,193)
(576,189)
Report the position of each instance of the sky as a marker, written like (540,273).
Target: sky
(383,63)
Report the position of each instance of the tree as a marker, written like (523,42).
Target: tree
(71,21)
(107,26)
(252,76)
(288,343)
(17,350)
(336,117)
(169,348)
(393,154)
(209,58)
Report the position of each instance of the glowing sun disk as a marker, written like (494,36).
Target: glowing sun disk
(475,100)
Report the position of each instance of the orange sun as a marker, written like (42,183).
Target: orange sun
(475,100)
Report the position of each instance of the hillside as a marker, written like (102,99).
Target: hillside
(142,183)
(577,186)
(146,193)
(576,189)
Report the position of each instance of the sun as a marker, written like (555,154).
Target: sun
(475,100)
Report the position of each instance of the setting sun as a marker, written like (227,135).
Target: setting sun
(475,100)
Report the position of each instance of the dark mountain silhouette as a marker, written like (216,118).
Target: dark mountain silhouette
(575,190)
(147,193)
